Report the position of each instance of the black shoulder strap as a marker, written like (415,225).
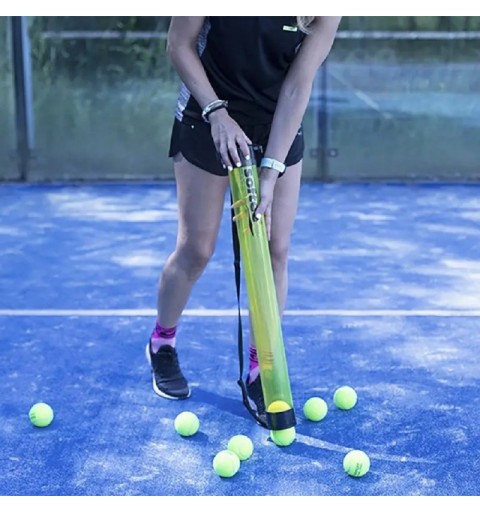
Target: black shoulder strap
(241,383)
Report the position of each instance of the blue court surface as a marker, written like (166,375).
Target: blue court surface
(384,297)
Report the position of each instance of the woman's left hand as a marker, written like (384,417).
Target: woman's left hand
(268,179)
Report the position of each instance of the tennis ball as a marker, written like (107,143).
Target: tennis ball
(242,446)
(41,414)
(315,409)
(278,406)
(187,424)
(283,437)
(356,463)
(345,398)
(226,463)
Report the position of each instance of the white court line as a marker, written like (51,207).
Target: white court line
(325,445)
(234,312)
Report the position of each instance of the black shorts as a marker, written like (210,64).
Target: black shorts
(193,139)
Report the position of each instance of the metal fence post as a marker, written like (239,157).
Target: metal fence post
(22,74)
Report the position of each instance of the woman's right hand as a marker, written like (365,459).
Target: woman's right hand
(229,139)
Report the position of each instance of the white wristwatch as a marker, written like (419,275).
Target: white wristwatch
(271,163)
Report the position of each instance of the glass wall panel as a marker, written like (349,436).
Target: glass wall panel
(104,98)
(392,105)
(404,109)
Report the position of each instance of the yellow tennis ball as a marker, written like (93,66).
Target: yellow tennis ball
(187,424)
(226,463)
(315,409)
(41,414)
(283,437)
(356,463)
(242,446)
(345,398)
(278,406)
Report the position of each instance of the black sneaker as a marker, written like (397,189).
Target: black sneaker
(168,380)
(255,392)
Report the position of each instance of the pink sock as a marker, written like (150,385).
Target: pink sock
(162,336)
(254,369)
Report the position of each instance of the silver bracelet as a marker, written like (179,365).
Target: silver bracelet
(271,163)
(211,107)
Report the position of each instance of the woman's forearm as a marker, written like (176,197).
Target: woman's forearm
(291,107)
(296,89)
(190,69)
(182,50)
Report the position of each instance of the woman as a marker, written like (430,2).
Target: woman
(247,81)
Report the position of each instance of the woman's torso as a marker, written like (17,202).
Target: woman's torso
(246,59)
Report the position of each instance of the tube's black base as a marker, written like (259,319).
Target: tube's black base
(281,420)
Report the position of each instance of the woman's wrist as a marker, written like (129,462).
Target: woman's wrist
(218,115)
(269,174)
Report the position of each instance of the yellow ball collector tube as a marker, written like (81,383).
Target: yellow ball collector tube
(262,298)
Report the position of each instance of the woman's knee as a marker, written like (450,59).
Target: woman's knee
(279,256)
(194,257)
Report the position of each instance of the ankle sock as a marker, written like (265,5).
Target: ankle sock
(162,336)
(254,369)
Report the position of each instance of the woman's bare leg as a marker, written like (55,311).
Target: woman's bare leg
(201,197)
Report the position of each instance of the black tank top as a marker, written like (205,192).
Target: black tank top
(246,59)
